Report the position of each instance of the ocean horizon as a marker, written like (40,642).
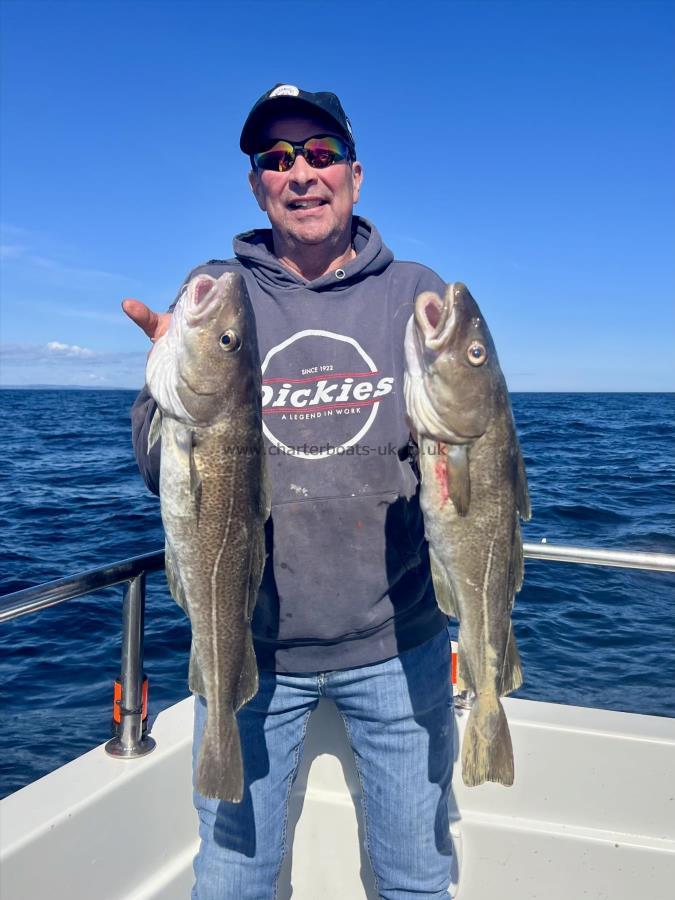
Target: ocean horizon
(104,387)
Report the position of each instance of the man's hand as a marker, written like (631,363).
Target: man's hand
(153,324)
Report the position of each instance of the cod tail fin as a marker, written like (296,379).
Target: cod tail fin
(487,752)
(220,769)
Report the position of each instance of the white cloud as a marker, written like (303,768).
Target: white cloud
(58,353)
(69,364)
(69,349)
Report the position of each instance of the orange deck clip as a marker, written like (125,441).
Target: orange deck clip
(117,700)
(453,664)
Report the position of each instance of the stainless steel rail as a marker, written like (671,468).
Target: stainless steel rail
(31,599)
(589,556)
(130,741)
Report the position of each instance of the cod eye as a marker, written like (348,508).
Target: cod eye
(230,341)
(476,353)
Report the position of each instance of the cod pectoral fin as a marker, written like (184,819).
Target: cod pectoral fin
(186,443)
(459,481)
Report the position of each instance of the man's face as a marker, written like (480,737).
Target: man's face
(306,205)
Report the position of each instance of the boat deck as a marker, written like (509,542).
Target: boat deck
(591,815)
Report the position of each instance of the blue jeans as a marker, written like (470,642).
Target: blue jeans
(399,720)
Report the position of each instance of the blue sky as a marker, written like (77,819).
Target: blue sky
(525,148)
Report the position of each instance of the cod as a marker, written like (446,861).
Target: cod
(473,491)
(205,377)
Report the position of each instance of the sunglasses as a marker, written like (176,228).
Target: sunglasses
(320,152)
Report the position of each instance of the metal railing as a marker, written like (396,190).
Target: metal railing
(130,740)
(41,596)
(589,556)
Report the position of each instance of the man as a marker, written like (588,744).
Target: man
(346,607)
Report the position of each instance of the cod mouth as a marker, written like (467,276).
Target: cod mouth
(435,317)
(206,292)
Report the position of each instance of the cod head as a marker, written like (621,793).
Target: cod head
(454,383)
(206,367)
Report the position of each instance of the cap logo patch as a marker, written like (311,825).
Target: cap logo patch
(284,90)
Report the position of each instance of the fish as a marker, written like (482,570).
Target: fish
(473,494)
(205,377)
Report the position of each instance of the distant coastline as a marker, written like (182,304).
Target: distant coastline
(91,387)
(65,387)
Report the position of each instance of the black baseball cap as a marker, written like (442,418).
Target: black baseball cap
(285,100)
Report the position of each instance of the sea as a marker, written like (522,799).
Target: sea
(601,471)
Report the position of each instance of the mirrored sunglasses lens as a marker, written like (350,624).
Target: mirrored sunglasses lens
(278,158)
(324,151)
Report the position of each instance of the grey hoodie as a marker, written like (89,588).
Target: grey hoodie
(347,580)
